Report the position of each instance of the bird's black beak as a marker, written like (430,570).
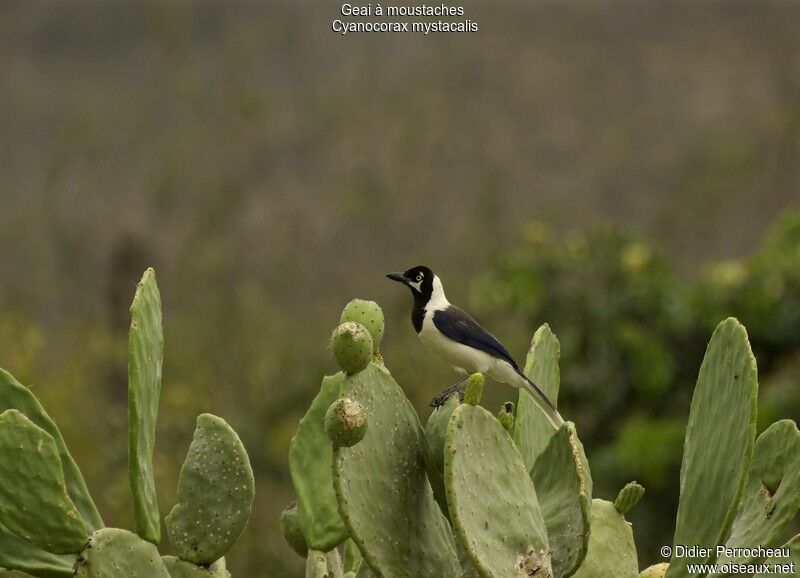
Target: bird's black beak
(397,277)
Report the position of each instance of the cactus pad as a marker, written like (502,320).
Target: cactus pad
(178,568)
(628,497)
(368,314)
(19,554)
(215,493)
(145,350)
(14,395)
(115,553)
(292,532)
(655,571)
(794,558)
(345,422)
(310,463)
(491,498)
(771,497)
(351,344)
(382,490)
(34,503)
(718,445)
(352,556)
(435,434)
(611,549)
(564,488)
(532,430)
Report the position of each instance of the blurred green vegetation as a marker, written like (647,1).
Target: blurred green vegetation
(270,171)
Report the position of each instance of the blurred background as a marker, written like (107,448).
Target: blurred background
(628,172)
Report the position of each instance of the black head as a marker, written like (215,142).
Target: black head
(419,279)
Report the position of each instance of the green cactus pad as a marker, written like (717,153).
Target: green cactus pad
(612,551)
(794,558)
(506,416)
(351,345)
(532,430)
(435,434)
(311,463)
(491,497)
(564,488)
(292,532)
(474,389)
(14,395)
(115,553)
(19,554)
(13,574)
(178,568)
(352,556)
(771,497)
(145,350)
(34,503)
(215,493)
(345,422)
(655,571)
(382,490)
(628,497)
(718,445)
(368,314)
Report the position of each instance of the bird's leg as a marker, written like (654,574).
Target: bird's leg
(440,399)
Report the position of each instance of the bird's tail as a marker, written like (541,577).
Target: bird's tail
(544,404)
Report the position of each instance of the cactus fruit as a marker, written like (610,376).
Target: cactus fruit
(368,314)
(178,568)
(14,395)
(771,497)
(611,549)
(491,499)
(351,344)
(628,497)
(474,390)
(655,571)
(564,488)
(532,430)
(113,553)
(435,434)
(145,350)
(292,532)
(719,444)
(506,416)
(382,489)
(18,554)
(34,503)
(345,422)
(215,493)
(310,463)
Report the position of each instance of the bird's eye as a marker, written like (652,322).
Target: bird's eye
(419,277)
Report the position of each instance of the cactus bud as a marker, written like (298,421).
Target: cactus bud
(290,523)
(474,389)
(368,314)
(655,571)
(352,346)
(345,422)
(506,416)
(628,497)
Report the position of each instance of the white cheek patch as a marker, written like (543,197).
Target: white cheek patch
(416,285)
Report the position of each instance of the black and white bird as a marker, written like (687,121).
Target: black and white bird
(460,341)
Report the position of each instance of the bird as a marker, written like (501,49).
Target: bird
(454,336)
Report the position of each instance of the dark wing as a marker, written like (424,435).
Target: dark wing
(456,324)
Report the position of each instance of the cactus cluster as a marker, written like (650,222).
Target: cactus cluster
(477,494)
(51,528)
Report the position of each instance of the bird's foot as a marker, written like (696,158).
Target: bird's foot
(458,388)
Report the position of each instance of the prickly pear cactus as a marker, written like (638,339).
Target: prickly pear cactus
(382,489)
(311,463)
(655,571)
(793,546)
(178,568)
(113,553)
(611,551)
(491,499)
(368,314)
(293,531)
(628,497)
(719,444)
(34,503)
(145,350)
(435,434)
(532,431)
(564,489)
(19,554)
(215,493)
(352,346)
(771,497)
(345,422)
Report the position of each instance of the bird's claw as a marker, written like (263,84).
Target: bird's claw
(440,399)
